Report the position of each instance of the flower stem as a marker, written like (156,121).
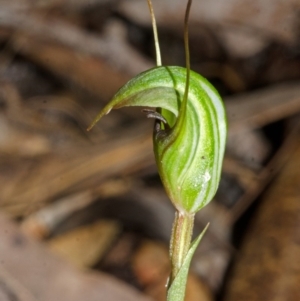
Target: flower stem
(180,241)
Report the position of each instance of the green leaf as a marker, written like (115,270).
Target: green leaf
(176,291)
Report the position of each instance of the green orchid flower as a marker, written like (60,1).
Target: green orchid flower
(189,136)
(189,139)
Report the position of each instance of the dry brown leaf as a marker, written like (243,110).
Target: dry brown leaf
(31,272)
(86,245)
(266,268)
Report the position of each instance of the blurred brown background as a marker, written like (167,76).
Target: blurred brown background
(83,216)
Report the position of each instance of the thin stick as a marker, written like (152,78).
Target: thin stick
(156,42)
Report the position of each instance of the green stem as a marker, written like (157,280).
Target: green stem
(180,241)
